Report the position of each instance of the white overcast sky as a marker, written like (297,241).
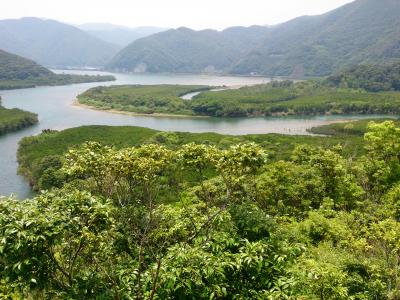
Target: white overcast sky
(195,14)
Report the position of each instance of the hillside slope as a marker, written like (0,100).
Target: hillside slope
(14,67)
(54,44)
(18,72)
(186,50)
(362,32)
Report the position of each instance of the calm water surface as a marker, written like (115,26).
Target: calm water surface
(55,109)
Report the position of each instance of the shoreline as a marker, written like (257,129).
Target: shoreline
(77,104)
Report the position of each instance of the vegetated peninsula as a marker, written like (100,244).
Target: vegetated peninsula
(18,72)
(362,89)
(143,99)
(15,119)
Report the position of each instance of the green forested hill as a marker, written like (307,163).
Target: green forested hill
(362,32)
(186,50)
(54,44)
(19,72)
(14,67)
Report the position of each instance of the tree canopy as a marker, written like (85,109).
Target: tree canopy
(128,223)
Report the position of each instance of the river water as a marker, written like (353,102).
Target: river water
(55,109)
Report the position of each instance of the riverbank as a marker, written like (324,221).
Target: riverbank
(275,99)
(15,119)
(77,104)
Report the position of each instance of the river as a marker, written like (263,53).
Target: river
(55,109)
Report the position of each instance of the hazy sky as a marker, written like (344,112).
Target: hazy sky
(216,14)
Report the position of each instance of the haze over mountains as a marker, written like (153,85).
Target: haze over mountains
(362,32)
(52,43)
(118,35)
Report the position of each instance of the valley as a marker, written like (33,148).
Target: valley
(197,159)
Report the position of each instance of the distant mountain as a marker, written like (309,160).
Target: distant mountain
(186,50)
(118,35)
(100,26)
(54,44)
(362,32)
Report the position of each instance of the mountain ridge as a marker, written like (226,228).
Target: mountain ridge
(360,32)
(53,44)
(214,50)
(117,34)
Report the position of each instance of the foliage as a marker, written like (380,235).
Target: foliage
(373,78)
(286,98)
(34,151)
(355,128)
(128,223)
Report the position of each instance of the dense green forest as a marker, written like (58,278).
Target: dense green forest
(361,32)
(146,99)
(275,98)
(373,78)
(18,72)
(15,119)
(165,220)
